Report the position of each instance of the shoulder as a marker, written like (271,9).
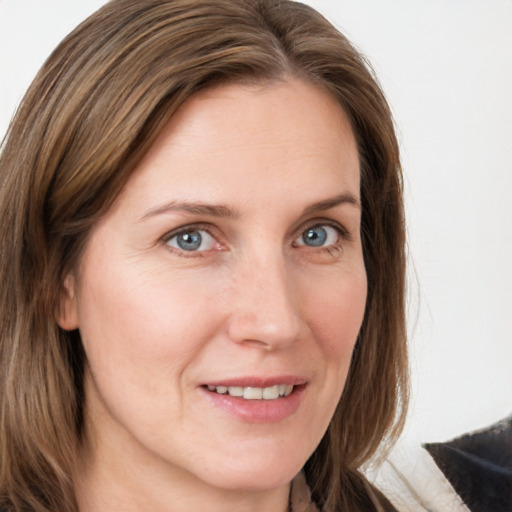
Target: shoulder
(410,479)
(479,466)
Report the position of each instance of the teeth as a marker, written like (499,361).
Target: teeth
(270,393)
(236,391)
(253,393)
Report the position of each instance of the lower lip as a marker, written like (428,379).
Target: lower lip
(258,411)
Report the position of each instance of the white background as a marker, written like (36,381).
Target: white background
(446,66)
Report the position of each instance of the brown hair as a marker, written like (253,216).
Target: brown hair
(95,107)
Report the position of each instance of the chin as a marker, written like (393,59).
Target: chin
(256,481)
(251,475)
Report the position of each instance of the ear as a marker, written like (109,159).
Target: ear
(67,314)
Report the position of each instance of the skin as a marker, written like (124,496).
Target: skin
(158,322)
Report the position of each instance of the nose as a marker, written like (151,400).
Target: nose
(265,309)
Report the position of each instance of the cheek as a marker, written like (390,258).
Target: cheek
(336,309)
(138,323)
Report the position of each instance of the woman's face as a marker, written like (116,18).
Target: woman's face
(231,264)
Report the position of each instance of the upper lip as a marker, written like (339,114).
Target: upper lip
(258,382)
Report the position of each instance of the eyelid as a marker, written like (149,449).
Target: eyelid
(185,229)
(200,226)
(340,228)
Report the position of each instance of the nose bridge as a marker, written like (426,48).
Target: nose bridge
(265,311)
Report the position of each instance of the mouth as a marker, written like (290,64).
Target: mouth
(258,399)
(253,393)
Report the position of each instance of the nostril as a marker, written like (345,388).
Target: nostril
(264,334)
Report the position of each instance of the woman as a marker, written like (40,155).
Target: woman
(203,266)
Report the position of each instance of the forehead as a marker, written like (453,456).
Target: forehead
(236,142)
(275,109)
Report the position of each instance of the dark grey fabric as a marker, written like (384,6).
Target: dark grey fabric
(479,467)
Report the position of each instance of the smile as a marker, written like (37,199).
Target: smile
(252,393)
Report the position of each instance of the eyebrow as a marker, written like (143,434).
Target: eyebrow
(209,210)
(327,204)
(223,211)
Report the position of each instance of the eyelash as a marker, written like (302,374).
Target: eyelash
(207,228)
(332,249)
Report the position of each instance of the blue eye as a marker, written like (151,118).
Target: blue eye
(319,236)
(193,240)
